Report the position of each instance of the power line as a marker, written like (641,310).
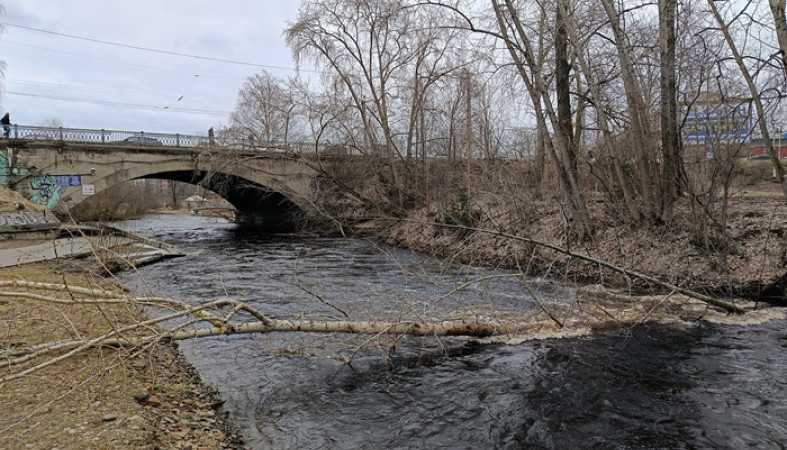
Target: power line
(147,49)
(111,91)
(118,104)
(119,62)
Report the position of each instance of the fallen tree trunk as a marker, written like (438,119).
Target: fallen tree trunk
(414,328)
(61,350)
(221,314)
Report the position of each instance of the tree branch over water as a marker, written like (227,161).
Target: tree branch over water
(177,320)
(183,321)
(727,306)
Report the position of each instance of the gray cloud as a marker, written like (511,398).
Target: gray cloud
(85,83)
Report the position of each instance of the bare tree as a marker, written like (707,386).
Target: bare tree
(264,111)
(386,57)
(607,152)
(714,119)
(754,90)
(363,45)
(639,115)
(434,60)
(512,31)
(565,118)
(670,136)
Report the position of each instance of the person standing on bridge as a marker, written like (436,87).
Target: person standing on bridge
(6,122)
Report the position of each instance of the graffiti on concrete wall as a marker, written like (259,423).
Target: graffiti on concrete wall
(5,171)
(17,219)
(42,189)
(45,190)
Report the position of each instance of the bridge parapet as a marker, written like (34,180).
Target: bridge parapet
(150,139)
(106,136)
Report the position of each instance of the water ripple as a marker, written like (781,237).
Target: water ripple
(647,387)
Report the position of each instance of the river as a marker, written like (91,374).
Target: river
(682,386)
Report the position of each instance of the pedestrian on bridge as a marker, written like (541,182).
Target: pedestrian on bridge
(6,122)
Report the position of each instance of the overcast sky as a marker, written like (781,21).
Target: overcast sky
(73,60)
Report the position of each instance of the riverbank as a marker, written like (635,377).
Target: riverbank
(100,398)
(749,263)
(87,399)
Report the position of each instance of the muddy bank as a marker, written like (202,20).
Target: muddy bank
(751,263)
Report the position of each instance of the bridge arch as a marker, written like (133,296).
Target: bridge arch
(256,205)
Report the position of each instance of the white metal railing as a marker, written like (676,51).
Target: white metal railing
(230,140)
(105,136)
(147,139)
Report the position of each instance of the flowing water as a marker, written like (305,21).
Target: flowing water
(647,387)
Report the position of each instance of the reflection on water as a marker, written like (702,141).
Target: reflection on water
(652,387)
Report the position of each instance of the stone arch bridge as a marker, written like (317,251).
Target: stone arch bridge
(269,189)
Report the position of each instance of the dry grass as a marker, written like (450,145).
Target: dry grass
(11,200)
(752,257)
(88,401)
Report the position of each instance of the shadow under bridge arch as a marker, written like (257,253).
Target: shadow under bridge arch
(257,205)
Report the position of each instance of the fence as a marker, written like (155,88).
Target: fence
(147,139)
(106,136)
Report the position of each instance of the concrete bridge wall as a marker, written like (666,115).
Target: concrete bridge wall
(265,186)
